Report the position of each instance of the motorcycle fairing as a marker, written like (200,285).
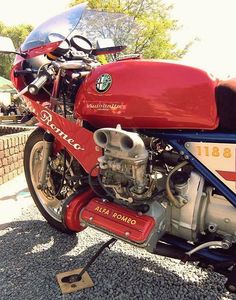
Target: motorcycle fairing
(60,25)
(77,140)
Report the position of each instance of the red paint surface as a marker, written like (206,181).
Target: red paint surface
(42,49)
(73,209)
(149,94)
(88,154)
(17,81)
(138,233)
(227,175)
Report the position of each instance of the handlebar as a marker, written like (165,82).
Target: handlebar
(43,76)
(37,84)
(48,74)
(34,87)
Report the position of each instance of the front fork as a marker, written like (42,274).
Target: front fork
(48,140)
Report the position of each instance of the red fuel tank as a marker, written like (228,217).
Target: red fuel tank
(148,94)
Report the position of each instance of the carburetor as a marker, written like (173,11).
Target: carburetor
(125,160)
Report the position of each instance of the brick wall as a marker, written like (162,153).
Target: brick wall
(9,129)
(11,151)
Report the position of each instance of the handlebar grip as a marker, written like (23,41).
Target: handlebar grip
(18,73)
(37,84)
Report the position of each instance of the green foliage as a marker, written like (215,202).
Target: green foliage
(102,59)
(151,30)
(17,34)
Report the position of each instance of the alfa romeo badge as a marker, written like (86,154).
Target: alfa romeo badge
(103,83)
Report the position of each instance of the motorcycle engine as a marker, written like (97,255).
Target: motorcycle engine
(144,174)
(124,164)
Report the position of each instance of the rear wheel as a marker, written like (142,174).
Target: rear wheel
(48,200)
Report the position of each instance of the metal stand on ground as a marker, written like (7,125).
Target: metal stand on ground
(79,279)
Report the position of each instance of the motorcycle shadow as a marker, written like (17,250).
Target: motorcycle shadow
(15,196)
(32,253)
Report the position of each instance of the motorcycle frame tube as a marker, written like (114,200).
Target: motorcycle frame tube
(177,141)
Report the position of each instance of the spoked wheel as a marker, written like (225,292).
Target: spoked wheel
(51,197)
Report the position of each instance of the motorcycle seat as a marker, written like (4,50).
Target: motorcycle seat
(226,104)
(230,83)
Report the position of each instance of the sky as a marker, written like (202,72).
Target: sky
(30,11)
(212,22)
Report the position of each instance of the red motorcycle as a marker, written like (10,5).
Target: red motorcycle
(143,150)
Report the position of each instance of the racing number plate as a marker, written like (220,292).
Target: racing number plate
(219,158)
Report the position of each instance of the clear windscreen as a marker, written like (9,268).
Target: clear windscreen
(78,20)
(61,26)
(95,25)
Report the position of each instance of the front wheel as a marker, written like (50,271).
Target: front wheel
(47,200)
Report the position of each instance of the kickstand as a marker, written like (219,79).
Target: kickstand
(78,277)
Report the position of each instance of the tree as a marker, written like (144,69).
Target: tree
(147,28)
(17,34)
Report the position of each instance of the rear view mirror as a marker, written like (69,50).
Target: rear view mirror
(6,45)
(107,46)
(105,43)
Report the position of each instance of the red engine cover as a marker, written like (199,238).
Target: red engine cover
(149,94)
(118,220)
(72,208)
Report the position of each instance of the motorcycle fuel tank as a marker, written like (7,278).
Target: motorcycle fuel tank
(148,94)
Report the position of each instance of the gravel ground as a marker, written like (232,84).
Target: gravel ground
(32,253)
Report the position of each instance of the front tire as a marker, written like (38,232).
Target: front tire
(49,206)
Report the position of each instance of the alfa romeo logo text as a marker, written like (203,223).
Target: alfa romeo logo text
(46,117)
